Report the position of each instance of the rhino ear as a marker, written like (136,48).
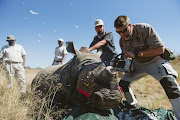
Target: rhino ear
(99,52)
(72,49)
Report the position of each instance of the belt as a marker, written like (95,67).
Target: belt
(13,62)
(57,61)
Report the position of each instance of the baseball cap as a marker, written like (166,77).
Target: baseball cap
(10,37)
(99,22)
(60,39)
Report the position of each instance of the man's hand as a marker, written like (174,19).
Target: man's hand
(89,49)
(24,66)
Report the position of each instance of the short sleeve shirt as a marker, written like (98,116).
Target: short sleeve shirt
(109,49)
(143,37)
(59,53)
(12,53)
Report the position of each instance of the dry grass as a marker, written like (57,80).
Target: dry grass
(148,91)
(12,105)
(15,107)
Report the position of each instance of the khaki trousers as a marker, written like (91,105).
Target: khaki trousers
(18,69)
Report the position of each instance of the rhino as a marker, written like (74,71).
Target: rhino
(82,80)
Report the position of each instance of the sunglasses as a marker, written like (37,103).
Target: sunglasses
(123,31)
(10,40)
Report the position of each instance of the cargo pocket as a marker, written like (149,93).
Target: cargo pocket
(169,70)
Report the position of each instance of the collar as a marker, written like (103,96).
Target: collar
(101,35)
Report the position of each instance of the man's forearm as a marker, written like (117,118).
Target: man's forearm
(98,45)
(63,59)
(145,53)
(151,52)
(23,57)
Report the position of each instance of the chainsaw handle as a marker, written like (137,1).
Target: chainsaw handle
(122,56)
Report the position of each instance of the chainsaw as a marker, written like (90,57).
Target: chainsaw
(122,64)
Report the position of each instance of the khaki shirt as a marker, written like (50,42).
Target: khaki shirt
(143,37)
(12,53)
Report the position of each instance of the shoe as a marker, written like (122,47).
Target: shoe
(126,105)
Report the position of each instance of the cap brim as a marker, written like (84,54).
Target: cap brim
(60,41)
(11,39)
(98,24)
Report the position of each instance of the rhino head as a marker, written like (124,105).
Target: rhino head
(98,83)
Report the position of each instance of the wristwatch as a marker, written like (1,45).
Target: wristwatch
(136,53)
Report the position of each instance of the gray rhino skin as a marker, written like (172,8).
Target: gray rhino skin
(82,80)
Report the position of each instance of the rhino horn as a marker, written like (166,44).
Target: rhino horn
(99,69)
(111,70)
(103,70)
(72,49)
(83,48)
(107,73)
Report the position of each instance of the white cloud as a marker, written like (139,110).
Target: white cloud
(76,26)
(54,30)
(33,12)
(26,18)
(71,4)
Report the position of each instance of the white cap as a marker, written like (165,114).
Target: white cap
(61,40)
(99,22)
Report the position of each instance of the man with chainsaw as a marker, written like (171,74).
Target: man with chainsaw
(141,43)
(103,41)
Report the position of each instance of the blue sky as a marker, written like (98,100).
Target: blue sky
(73,20)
